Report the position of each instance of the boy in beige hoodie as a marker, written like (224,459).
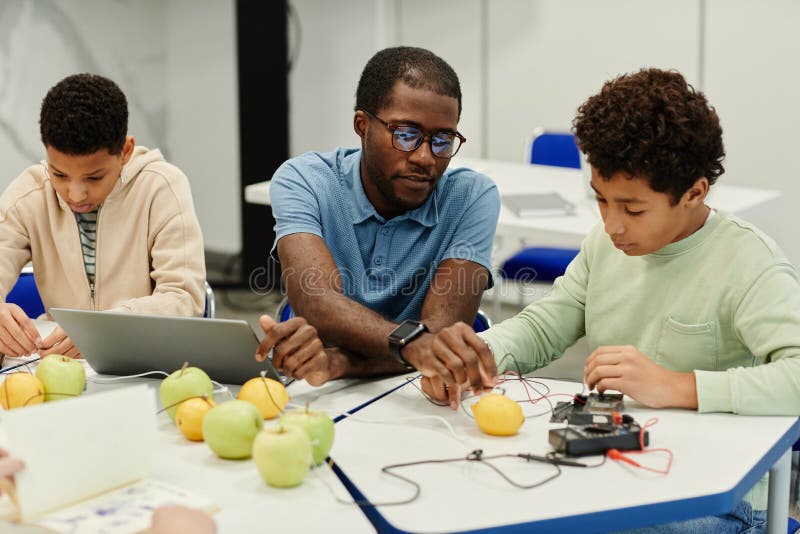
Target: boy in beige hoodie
(106,224)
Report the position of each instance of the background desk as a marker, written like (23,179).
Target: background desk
(568,230)
(718,457)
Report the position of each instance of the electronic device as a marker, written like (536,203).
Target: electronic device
(405,333)
(117,343)
(597,438)
(595,408)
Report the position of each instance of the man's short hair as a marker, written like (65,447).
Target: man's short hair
(416,67)
(84,113)
(654,125)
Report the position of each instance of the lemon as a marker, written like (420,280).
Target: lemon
(189,417)
(20,390)
(268,395)
(498,415)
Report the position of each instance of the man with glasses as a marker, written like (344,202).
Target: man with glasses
(382,246)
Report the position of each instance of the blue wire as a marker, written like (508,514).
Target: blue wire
(11,368)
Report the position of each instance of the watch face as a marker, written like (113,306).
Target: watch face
(405,329)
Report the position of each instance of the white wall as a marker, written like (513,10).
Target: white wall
(175,60)
(42,41)
(752,78)
(528,63)
(202,117)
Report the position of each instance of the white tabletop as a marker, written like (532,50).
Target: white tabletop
(246,503)
(717,459)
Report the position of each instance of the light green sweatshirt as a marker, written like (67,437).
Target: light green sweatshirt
(724,302)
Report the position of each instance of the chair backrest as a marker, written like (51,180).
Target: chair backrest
(210,310)
(284,313)
(25,295)
(482,322)
(553,148)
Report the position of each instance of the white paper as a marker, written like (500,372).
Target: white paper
(126,510)
(77,448)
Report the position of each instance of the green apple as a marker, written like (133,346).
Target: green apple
(317,425)
(185,383)
(230,428)
(62,377)
(283,455)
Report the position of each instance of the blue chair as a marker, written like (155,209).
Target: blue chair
(557,149)
(284,313)
(25,295)
(544,264)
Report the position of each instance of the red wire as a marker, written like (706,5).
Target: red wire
(614,454)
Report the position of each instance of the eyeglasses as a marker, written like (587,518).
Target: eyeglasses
(407,138)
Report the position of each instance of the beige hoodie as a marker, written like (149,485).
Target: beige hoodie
(149,256)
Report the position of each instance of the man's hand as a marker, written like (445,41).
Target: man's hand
(58,343)
(296,348)
(436,389)
(457,357)
(18,334)
(625,369)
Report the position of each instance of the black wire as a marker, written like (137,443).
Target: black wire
(474,456)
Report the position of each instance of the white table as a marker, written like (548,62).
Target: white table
(246,503)
(718,457)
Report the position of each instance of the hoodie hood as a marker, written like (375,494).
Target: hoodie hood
(141,158)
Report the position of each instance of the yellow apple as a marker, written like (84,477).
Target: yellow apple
(498,415)
(21,389)
(266,394)
(189,417)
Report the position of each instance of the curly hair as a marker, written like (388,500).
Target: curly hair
(653,125)
(84,113)
(416,67)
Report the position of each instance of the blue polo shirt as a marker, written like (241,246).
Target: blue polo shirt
(385,265)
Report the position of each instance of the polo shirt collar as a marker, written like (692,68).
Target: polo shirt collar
(425,215)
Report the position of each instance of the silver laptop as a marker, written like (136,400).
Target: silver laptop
(125,344)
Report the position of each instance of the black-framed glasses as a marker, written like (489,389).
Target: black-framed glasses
(444,144)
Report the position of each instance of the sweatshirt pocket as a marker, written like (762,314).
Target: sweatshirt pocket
(685,347)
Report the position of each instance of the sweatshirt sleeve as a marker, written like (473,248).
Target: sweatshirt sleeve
(542,331)
(15,244)
(177,255)
(767,321)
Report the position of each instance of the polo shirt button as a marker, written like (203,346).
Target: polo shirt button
(378,260)
(385,231)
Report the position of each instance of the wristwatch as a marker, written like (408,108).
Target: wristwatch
(405,333)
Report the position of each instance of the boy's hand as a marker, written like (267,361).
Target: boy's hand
(18,334)
(626,369)
(58,343)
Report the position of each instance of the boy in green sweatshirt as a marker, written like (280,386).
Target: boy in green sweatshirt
(683,306)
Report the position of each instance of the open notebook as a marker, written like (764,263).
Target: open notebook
(87,461)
